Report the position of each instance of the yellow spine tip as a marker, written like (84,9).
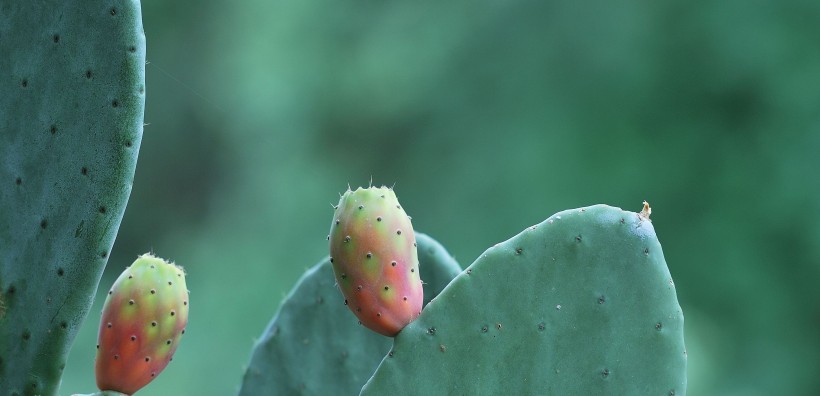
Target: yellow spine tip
(646,211)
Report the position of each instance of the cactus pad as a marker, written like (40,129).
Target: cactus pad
(581,304)
(71,114)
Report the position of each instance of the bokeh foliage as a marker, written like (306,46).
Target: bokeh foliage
(489,116)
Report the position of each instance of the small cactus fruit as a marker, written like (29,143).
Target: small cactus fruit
(373,251)
(143,319)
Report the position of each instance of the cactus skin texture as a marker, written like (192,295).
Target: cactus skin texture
(374,256)
(314,347)
(71,117)
(580,304)
(436,264)
(143,320)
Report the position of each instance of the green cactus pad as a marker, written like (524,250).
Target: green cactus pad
(436,265)
(581,304)
(71,117)
(314,346)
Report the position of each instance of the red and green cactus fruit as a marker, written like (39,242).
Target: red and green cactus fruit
(373,251)
(143,320)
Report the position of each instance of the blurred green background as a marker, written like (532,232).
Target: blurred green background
(488,116)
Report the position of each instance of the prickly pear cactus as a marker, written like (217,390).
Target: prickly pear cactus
(143,320)
(313,346)
(581,304)
(71,114)
(373,251)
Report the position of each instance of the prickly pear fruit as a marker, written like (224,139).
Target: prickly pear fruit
(373,251)
(143,319)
